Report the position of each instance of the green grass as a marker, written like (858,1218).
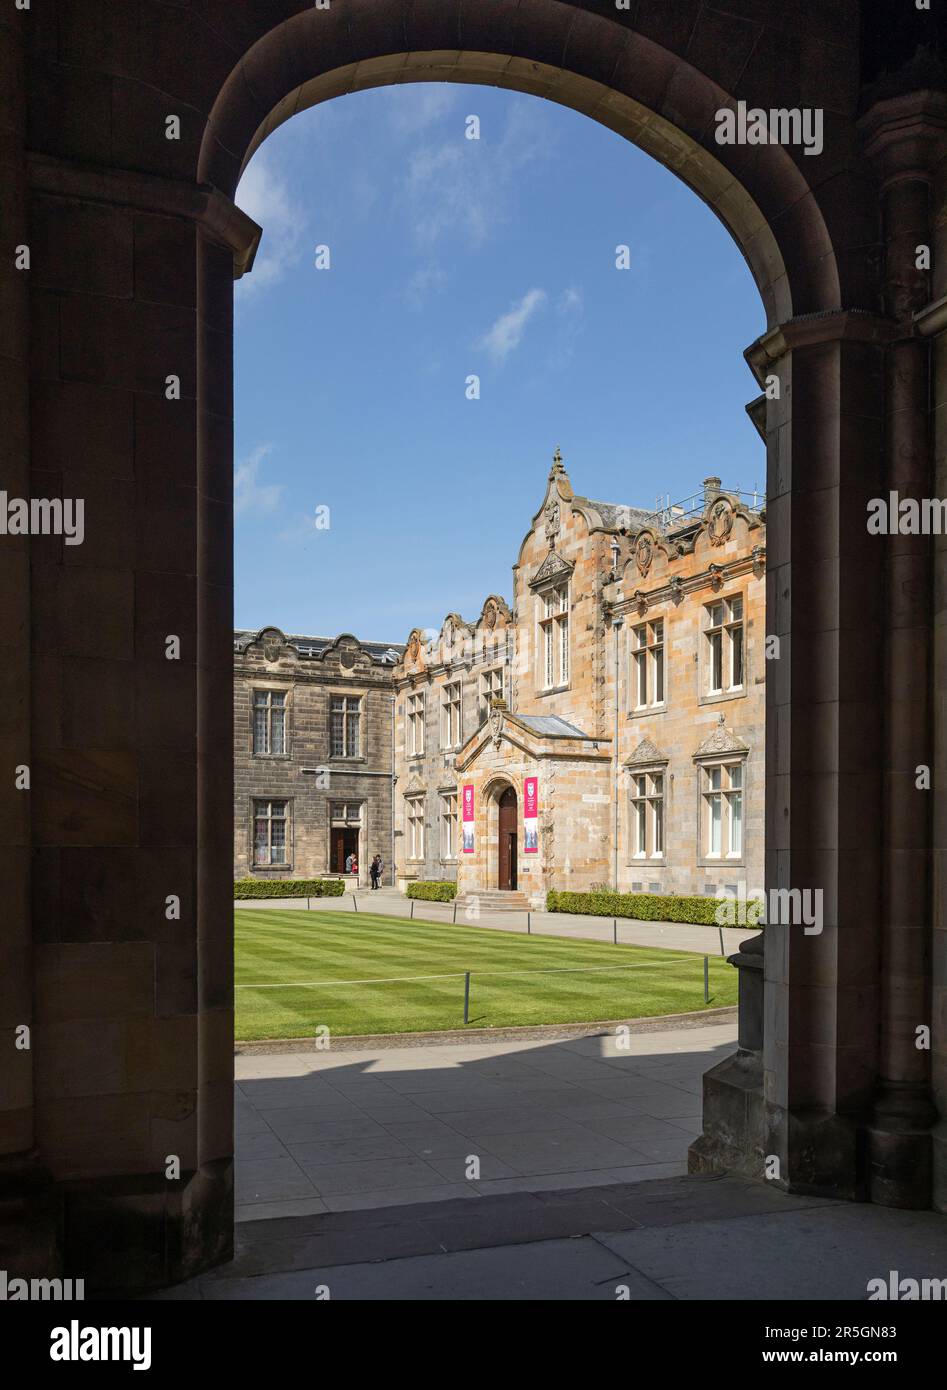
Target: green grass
(302,949)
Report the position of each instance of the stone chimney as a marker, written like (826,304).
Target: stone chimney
(712,488)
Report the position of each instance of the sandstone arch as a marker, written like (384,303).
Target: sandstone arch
(136,241)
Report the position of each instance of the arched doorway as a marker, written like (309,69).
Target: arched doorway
(507,841)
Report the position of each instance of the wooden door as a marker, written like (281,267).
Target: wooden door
(507,845)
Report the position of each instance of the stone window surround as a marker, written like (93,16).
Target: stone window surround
(409,722)
(737,692)
(418,799)
(721,862)
(443,793)
(448,746)
(657,768)
(334,692)
(554,584)
(483,695)
(265,869)
(264,684)
(636,711)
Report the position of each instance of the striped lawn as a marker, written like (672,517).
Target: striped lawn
(347,973)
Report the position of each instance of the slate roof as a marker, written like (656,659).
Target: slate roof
(550,724)
(386,653)
(614,514)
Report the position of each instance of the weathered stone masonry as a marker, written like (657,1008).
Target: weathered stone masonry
(308,779)
(623,742)
(135,241)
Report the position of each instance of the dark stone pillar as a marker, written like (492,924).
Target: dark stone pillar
(902,139)
(28,1213)
(823,713)
(130,802)
(932,322)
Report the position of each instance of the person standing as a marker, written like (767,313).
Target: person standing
(349,861)
(375,870)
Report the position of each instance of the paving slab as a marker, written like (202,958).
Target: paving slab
(571,1269)
(393,1125)
(682,1238)
(819,1254)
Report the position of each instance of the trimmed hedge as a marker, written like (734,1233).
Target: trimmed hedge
(288,888)
(646,907)
(433,890)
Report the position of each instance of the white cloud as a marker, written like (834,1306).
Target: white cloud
(570,307)
(266,196)
(465,189)
(248,494)
(427,280)
(415,106)
(506,333)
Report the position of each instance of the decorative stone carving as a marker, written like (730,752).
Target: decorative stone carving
(722,740)
(551,568)
(647,754)
(495,719)
(414,647)
(716,576)
(553,522)
(720,522)
(490,616)
(644,552)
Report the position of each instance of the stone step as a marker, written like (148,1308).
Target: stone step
(495,900)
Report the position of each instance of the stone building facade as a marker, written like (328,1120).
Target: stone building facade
(312,755)
(620,701)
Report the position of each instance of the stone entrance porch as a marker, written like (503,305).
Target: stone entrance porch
(575,803)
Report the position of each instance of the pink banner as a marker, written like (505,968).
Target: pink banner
(468,819)
(531,815)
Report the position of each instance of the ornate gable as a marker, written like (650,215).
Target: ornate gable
(551,569)
(722,740)
(646,755)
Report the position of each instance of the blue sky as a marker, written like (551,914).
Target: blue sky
(452,257)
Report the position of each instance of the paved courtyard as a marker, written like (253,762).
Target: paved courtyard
(351,1179)
(342,1130)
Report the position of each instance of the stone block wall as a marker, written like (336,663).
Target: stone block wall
(307,776)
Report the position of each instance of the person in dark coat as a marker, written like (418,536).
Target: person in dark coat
(375,870)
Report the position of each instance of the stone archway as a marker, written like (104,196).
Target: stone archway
(118,377)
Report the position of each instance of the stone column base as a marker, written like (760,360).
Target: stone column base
(820,1154)
(939,1167)
(122,1235)
(733,1119)
(30,1220)
(899,1147)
